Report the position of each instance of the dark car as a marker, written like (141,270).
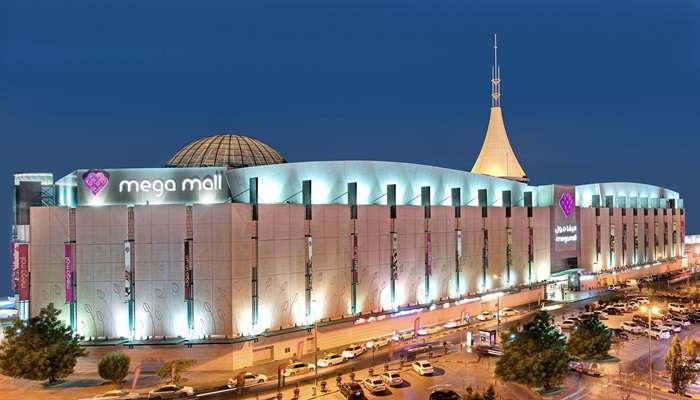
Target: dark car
(488,350)
(613,311)
(352,391)
(444,394)
(619,335)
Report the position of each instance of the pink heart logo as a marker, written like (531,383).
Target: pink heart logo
(566,204)
(95,181)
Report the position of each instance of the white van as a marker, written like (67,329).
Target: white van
(676,307)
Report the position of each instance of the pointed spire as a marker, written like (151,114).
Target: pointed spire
(497,157)
(495,76)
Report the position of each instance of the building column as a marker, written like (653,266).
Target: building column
(456,196)
(425,202)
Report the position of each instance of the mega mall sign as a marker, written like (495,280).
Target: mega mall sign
(151,186)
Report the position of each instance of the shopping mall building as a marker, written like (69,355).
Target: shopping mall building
(230,245)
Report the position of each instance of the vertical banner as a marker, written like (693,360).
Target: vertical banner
(354,264)
(509,253)
(23,271)
(531,245)
(665,239)
(459,244)
(597,243)
(355,257)
(485,250)
(188,269)
(68,270)
(624,244)
(127,269)
(612,246)
(428,253)
(394,256)
(636,244)
(656,240)
(14,268)
(646,241)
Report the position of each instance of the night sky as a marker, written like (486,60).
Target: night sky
(593,91)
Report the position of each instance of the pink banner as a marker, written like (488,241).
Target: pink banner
(68,271)
(23,267)
(188,270)
(14,273)
(429,253)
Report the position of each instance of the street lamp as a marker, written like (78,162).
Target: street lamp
(649,309)
(498,308)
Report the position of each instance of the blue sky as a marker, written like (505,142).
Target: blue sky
(592,91)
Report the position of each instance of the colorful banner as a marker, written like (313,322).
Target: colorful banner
(355,254)
(394,256)
(14,270)
(68,271)
(127,268)
(188,270)
(428,253)
(23,267)
(531,245)
(624,244)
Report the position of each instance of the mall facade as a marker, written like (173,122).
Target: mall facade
(229,241)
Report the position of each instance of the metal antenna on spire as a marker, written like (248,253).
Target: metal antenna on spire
(495,76)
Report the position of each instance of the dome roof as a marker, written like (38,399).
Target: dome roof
(232,151)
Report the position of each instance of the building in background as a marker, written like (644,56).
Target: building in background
(229,241)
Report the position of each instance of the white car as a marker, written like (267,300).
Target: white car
(116,395)
(509,312)
(249,379)
(405,335)
(485,316)
(353,351)
(675,307)
(330,359)
(422,367)
(374,384)
(642,300)
(631,327)
(568,324)
(658,333)
(632,305)
(297,368)
(682,320)
(450,324)
(621,307)
(392,378)
(378,342)
(614,287)
(171,392)
(672,326)
(429,330)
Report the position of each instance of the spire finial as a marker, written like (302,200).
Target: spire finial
(495,76)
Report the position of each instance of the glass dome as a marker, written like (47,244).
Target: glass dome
(231,151)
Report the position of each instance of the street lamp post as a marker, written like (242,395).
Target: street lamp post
(315,355)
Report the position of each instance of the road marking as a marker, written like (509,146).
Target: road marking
(576,393)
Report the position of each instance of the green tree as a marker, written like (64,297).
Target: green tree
(590,338)
(114,367)
(43,348)
(180,366)
(679,361)
(536,356)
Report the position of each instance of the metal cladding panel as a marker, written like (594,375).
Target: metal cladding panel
(278,183)
(585,193)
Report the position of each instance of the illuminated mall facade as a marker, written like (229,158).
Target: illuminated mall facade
(229,241)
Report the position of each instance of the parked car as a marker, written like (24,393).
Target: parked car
(405,335)
(632,305)
(602,315)
(620,307)
(642,300)
(591,369)
(392,378)
(619,335)
(658,333)
(352,391)
(509,312)
(444,394)
(298,368)
(613,288)
(422,367)
(681,320)
(378,342)
(171,392)
(116,395)
(568,324)
(374,384)
(330,359)
(672,326)
(249,379)
(613,311)
(353,351)
(677,307)
(429,330)
(485,316)
(631,327)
